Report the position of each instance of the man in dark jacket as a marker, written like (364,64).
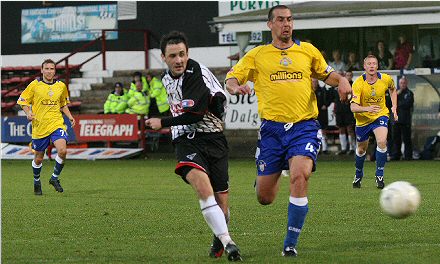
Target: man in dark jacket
(402,127)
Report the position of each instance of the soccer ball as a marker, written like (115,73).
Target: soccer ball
(400,199)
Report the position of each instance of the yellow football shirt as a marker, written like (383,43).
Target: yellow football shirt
(46,101)
(365,94)
(282,80)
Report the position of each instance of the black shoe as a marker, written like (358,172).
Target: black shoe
(289,252)
(217,248)
(379,182)
(357,182)
(37,189)
(233,252)
(56,184)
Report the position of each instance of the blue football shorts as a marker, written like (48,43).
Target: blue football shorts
(363,132)
(41,144)
(278,142)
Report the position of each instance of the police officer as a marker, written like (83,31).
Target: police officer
(158,95)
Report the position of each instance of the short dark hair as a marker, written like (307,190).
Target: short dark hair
(46,61)
(270,15)
(174,37)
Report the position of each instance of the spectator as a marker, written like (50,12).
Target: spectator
(403,53)
(352,63)
(402,127)
(137,76)
(158,96)
(324,99)
(345,122)
(384,56)
(139,102)
(116,101)
(337,63)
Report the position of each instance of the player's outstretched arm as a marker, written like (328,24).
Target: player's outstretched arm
(344,88)
(234,87)
(66,111)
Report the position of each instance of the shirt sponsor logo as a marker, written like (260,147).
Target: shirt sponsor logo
(285,76)
(49,102)
(373,100)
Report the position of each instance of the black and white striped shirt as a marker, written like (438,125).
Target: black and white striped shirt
(193,92)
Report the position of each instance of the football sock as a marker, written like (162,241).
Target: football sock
(343,140)
(381,158)
(59,164)
(296,215)
(323,142)
(360,158)
(37,171)
(351,142)
(215,218)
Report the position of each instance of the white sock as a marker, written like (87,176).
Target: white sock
(34,165)
(351,142)
(324,143)
(299,201)
(59,160)
(358,153)
(215,219)
(343,140)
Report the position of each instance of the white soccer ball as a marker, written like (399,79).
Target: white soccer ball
(400,199)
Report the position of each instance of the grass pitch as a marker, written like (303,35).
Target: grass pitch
(139,211)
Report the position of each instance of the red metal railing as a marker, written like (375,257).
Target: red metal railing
(103,51)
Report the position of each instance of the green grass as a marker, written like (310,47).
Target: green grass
(139,211)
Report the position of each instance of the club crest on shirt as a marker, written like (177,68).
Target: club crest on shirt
(373,92)
(285,61)
(50,93)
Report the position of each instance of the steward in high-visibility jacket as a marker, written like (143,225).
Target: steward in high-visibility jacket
(158,91)
(116,101)
(139,102)
(137,76)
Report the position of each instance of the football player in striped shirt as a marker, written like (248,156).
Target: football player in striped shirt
(197,103)
(43,100)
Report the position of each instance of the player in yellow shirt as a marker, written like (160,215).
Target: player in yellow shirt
(42,101)
(371,114)
(288,136)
